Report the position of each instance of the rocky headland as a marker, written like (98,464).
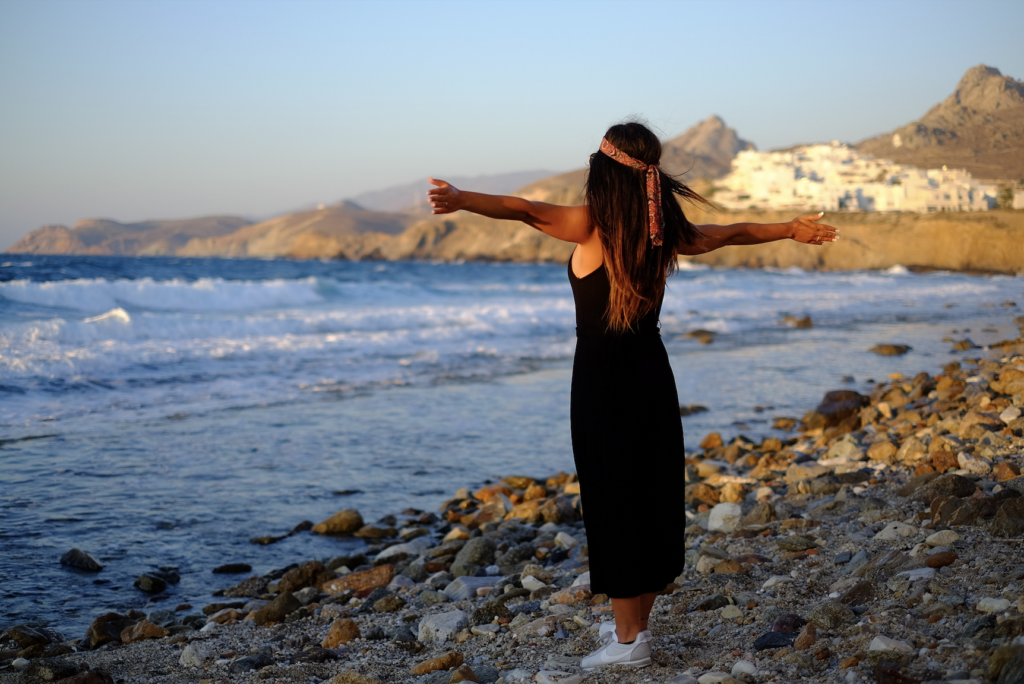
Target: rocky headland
(881,541)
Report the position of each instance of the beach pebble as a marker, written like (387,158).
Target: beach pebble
(942,538)
(195,654)
(731,612)
(717,678)
(725,517)
(743,667)
(776,580)
(895,530)
(555,677)
(532,583)
(442,627)
(80,560)
(682,678)
(992,605)
(884,643)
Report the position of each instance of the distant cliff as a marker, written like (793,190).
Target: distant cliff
(979,127)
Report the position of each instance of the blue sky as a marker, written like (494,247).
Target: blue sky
(151,109)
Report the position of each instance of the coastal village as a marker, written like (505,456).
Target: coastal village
(834,177)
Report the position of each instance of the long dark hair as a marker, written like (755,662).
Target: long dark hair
(617,203)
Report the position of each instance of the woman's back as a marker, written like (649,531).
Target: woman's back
(591,293)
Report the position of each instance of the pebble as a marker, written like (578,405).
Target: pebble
(442,627)
(555,677)
(725,517)
(743,667)
(731,612)
(992,605)
(942,538)
(895,530)
(776,580)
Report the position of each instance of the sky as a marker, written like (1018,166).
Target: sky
(174,109)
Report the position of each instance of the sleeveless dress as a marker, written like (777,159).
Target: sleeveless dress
(627,441)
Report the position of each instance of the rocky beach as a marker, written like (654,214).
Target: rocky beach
(881,542)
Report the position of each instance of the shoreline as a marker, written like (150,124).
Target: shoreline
(772,532)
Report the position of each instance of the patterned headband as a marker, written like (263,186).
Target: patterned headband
(653,187)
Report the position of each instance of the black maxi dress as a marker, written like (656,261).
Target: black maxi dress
(627,441)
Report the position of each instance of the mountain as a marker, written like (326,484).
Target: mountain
(333,231)
(980,128)
(145,238)
(412,197)
(704,151)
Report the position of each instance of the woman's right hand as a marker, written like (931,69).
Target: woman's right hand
(445,198)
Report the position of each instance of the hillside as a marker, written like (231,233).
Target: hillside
(412,197)
(704,151)
(344,230)
(979,127)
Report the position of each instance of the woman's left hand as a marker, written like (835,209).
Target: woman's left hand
(445,198)
(806,229)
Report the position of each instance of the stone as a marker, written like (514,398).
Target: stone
(442,627)
(973,465)
(351,677)
(884,643)
(463,674)
(717,678)
(706,564)
(795,543)
(276,611)
(48,669)
(1001,657)
(776,580)
(992,605)
(986,421)
(712,441)
(444,662)
(941,559)
(725,517)
(830,615)
(477,553)
(790,623)
(942,538)
(429,597)
(860,594)
(943,461)
(254,661)
(944,485)
(884,451)
(388,604)
(344,522)
(151,584)
(1009,519)
(364,580)
(342,631)
(309,574)
(571,596)
(731,612)
(895,530)
(141,630)
(911,450)
(743,667)
(466,587)
(232,569)
(890,349)
(774,640)
(954,511)
(24,636)
(106,628)
(249,588)
(556,677)
(485,630)
(682,678)
(80,560)
(729,566)
(761,514)
(93,676)
(196,654)
(808,637)
(1004,471)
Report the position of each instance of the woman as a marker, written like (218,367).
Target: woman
(627,437)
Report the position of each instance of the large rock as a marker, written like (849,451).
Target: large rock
(24,636)
(81,561)
(249,588)
(1013,671)
(309,574)
(48,670)
(277,610)
(442,627)
(106,628)
(150,583)
(945,485)
(477,553)
(141,630)
(343,522)
(1009,519)
(379,576)
(834,408)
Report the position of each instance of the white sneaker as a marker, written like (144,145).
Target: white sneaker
(606,632)
(636,654)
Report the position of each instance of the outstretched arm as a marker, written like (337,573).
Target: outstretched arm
(571,224)
(802,229)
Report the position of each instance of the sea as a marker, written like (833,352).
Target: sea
(160,412)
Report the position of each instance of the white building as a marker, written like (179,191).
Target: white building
(1018,199)
(835,178)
